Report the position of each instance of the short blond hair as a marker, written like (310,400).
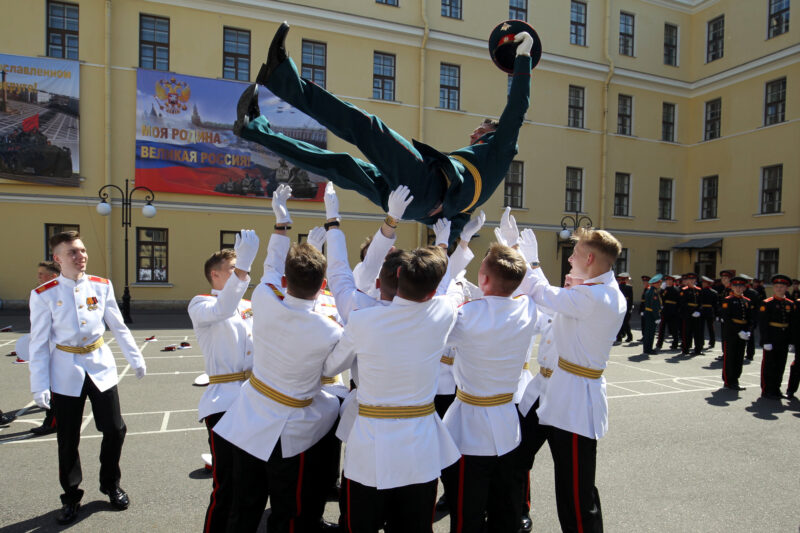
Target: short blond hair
(506,266)
(600,242)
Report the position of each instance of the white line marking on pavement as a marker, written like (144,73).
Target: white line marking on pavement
(165,421)
(623,388)
(98,435)
(174,373)
(642,369)
(86,422)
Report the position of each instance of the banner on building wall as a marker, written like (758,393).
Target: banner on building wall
(39,120)
(185,144)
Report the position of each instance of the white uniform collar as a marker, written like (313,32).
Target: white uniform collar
(402,301)
(215,292)
(70,282)
(298,303)
(602,278)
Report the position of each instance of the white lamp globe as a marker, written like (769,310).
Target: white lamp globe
(149,211)
(104,208)
(564,234)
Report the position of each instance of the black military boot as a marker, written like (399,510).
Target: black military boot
(247,109)
(276,54)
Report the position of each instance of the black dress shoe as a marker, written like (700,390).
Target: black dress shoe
(44,429)
(246,109)
(118,498)
(629,339)
(68,513)
(324,525)
(276,54)
(525,524)
(6,419)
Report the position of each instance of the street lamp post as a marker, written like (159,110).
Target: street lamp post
(149,211)
(577,221)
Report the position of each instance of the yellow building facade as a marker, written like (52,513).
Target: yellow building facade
(708,181)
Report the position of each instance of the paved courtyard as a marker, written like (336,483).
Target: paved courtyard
(681,454)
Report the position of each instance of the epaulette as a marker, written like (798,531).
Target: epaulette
(212,295)
(98,279)
(248,301)
(590,284)
(278,293)
(326,292)
(49,285)
(746,298)
(769,299)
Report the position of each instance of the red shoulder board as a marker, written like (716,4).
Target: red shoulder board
(278,293)
(49,285)
(248,301)
(768,299)
(468,301)
(212,295)
(745,298)
(590,284)
(326,292)
(98,279)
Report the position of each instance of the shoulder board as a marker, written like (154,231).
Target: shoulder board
(470,301)
(49,285)
(248,301)
(211,295)
(590,284)
(769,299)
(278,293)
(98,279)
(745,298)
(790,300)
(326,292)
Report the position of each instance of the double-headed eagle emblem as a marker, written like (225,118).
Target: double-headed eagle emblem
(172,95)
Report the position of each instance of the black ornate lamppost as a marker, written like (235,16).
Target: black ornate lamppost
(577,221)
(149,211)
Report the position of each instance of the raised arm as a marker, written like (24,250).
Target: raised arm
(279,243)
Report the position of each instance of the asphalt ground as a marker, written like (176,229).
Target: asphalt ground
(682,454)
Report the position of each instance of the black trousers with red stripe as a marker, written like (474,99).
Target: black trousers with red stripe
(219,505)
(773,364)
(732,356)
(407,509)
(692,331)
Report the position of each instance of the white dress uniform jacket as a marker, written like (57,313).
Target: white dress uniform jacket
(587,319)
(291,342)
(493,336)
(223,325)
(366,271)
(531,387)
(398,349)
(75,313)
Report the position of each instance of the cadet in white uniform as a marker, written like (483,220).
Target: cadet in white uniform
(281,411)
(223,325)
(69,357)
(573,410)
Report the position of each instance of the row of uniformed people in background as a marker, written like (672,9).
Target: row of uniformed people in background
(689,310)
(411,351)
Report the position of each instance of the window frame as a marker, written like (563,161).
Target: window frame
(668,124)
(393,3)
(155,44)
(621,116)
(64,32)
(577,193)
(56,227)
(778,105)
(671,50)
(784,24)
(451,89)
(762,262)
(513,11)
(236,56)
(712,126)
(622,198)
(383,78)
(623,261)
(152,257)
(227,233)
(708,202)
(572,109)
(668,201)
(578,24)
(310,70)
(660,268)
(715,39)
(624,48)
(772,205)
(514,190)
(451,6)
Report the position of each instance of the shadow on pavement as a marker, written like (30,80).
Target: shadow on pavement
(722,397)
(47,521)
(715,364)
(200,473)
(639,358)
(677,358)
(766,409)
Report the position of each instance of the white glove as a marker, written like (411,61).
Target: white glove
(528,246)
(791,348)
(768,347)
(246,248)
(508,227)
(442,230)
(398,201)
(316,237)
(498,236)
(141,371)
(42,399)
(658,321)
(279,197)
(472,227)
(696,314)
(525,43)
(331,202)
(744,335)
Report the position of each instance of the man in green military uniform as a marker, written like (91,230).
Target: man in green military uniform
(651,313)
(443,185)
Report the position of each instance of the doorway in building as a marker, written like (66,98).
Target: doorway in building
(706,264)
(566,251)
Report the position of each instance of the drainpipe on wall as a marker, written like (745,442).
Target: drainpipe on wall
(423,7)
(604,150)
(107,129)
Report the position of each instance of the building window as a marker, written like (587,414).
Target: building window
(671,45)
(575,115)
(622,262)
(577,23)
(771,183)
(52,229)
(227,239)
(626,22)
(662,262)
(151,255)
(387,2)
(314,62)
(622,195)
(513,185)
(767,263)
(713,119)
(665,187)
(775,102)
(778,22)
(624,114)
(708,202)
(383,69)
(449,86)
(668,122)
(518,9)
(236,54)
(153,42)
(62,30)
(715,39)
(451,9)
(574,196)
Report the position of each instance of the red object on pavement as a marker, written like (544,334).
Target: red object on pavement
(31,123)
(6,328)
(151,338)
(185,344)
(170,348)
